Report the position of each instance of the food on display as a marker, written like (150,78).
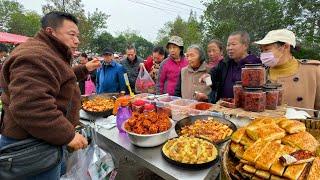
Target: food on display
(254,99)
(280,97)
(272,95)
(203,106)
(148,123)
(210,129)
(238,94)
(314,170)
(253,75)
(98,104)
(190,150)
(228,102)
(282,149)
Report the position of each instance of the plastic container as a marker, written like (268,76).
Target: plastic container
(123,114)
(149,108)
(254,99)
(253,75)
(280,96)
(137,105)
(271,97)
(238,94)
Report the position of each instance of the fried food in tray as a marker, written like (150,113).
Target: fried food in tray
(98,104)
(211,130)
(281,149)
(148,123)
(190,150)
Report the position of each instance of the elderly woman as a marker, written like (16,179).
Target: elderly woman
(300,78)
(170,68)
(215,53)
(189,85)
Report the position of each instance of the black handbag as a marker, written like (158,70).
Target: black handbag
(28,157)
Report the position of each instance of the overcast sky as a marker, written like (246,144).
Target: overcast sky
(144,16)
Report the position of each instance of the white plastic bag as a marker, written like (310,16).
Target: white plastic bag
(90,163)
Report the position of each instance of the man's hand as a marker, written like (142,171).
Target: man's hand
(93,64)
(203,77)
(201,96)
(78,142)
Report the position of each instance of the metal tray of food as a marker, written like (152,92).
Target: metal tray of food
(191,119)
(105,113)
(192,166)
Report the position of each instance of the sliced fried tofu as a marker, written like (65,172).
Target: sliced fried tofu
(268,156)
(277,168)
(237,149)
(263,174)
(292,126)
(240,152)
(268,132)
(236,136)
(273,177)
(294,171)
(314,173)
(301,140)
(253,152)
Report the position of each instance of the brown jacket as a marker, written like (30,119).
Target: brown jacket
(303,88)
(39,88)
(189,82)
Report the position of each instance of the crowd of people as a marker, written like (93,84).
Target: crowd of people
(41,94)
(180,72)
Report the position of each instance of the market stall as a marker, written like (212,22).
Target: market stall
(12,38)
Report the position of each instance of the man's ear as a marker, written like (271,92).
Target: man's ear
(49,30)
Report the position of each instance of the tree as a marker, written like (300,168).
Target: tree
(189,31)
(27,24)
(7,8)
(90,25)
(257,17)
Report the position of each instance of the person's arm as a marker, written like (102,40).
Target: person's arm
(121,79)
(97,80)
(177,91)
(162,79)
(81,72)
(34,86)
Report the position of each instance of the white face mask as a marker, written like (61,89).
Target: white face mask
(269,59)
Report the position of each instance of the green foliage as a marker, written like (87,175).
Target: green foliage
(119,43)
(189,31)
(27,24)
(7,9)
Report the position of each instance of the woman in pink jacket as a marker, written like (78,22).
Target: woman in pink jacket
(171,67)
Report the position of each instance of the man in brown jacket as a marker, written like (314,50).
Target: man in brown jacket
(41,98)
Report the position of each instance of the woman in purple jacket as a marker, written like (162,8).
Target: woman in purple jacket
(171,67)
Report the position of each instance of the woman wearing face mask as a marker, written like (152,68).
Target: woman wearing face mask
(300,78)
(170,68)
(189,86)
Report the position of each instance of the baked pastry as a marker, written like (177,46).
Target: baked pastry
(249,169)
(294,171)
(277,168)
(263,174)
(314,170)
(237,136)
(246,141)
(268,132)
(301,140)
(254,151)
(268,156)
(292,126)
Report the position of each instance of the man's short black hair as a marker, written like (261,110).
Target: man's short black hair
(54,19)
(3,48)
(84,55)
(131,46)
